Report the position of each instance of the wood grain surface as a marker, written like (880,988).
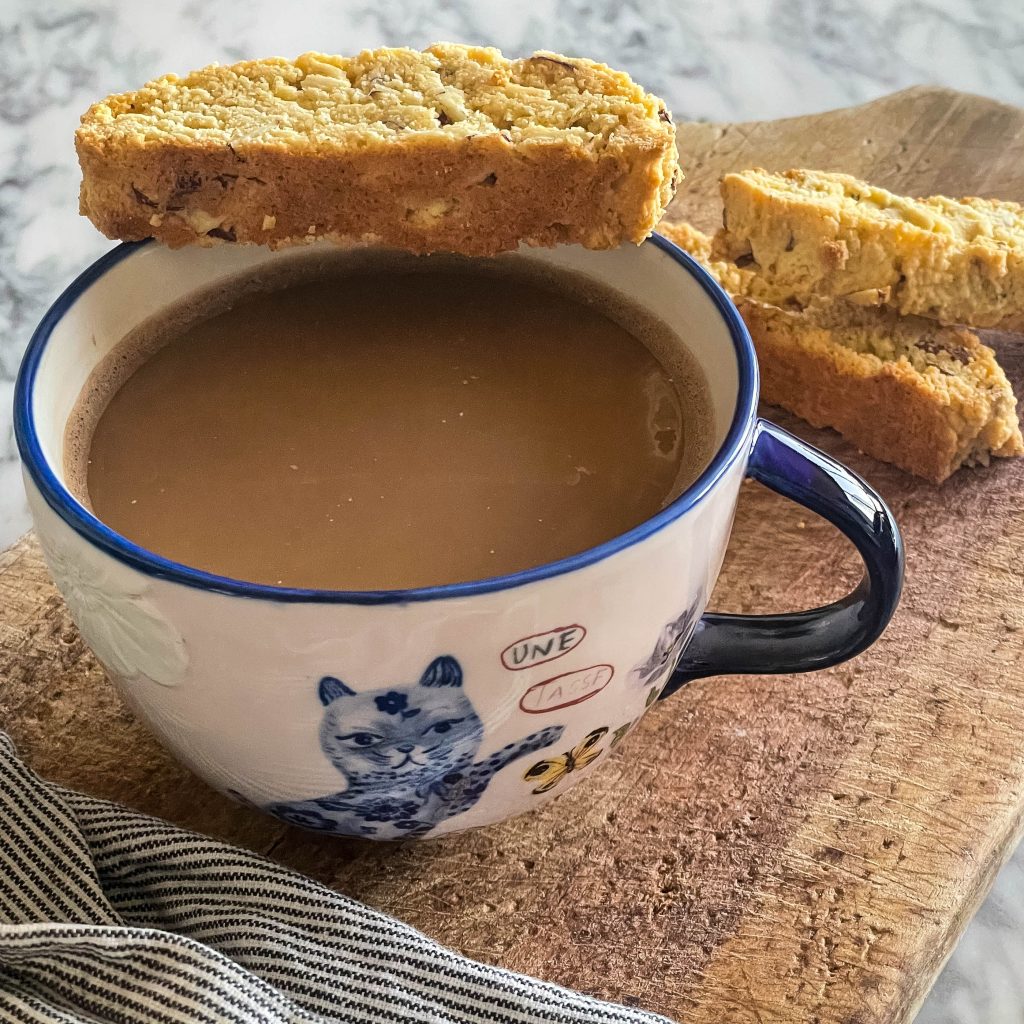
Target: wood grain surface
(759,849)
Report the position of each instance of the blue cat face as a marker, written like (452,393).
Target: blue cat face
(412,734)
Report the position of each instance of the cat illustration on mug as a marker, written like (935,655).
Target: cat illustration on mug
(409,756)
(662,660)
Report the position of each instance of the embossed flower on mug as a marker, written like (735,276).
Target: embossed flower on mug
(128,635)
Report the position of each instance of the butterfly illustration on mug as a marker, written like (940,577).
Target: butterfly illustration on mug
(549,772)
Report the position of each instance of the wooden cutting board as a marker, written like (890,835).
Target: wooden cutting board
(760,849)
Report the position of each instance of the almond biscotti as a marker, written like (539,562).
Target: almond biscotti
(734,279)
(903,389)
(451,148)
(813,233)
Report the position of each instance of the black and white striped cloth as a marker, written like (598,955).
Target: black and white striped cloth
(110,916)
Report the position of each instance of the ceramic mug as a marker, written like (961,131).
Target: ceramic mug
(411,713)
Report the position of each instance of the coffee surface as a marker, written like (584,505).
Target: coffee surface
(392,428)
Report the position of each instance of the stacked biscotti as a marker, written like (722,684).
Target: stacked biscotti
(855,299)
(450,148)
(812,233)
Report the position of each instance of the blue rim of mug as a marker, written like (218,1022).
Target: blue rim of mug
(83,522)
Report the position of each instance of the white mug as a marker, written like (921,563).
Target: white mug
(414,713)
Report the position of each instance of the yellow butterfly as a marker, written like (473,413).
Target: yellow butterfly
(550,772)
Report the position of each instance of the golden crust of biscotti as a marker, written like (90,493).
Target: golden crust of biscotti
(814,233)
(688,238)
(734,279)
(450,148)
(905,390)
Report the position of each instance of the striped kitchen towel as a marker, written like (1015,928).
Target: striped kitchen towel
(108,915)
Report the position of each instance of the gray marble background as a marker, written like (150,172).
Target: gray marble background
(714,59)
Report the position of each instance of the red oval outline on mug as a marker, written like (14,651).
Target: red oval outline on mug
(533,636)
(568,703)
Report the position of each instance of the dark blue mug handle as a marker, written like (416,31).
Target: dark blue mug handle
(814,639)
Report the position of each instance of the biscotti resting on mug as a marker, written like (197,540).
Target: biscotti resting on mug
(812,233)
(905,390)
(451,148)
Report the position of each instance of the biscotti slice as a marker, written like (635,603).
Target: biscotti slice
(810,233)
(734,279)
(451,148)
(905,390)
(740,280)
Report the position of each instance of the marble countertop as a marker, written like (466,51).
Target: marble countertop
(742,60)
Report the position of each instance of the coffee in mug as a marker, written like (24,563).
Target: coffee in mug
(386,422)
